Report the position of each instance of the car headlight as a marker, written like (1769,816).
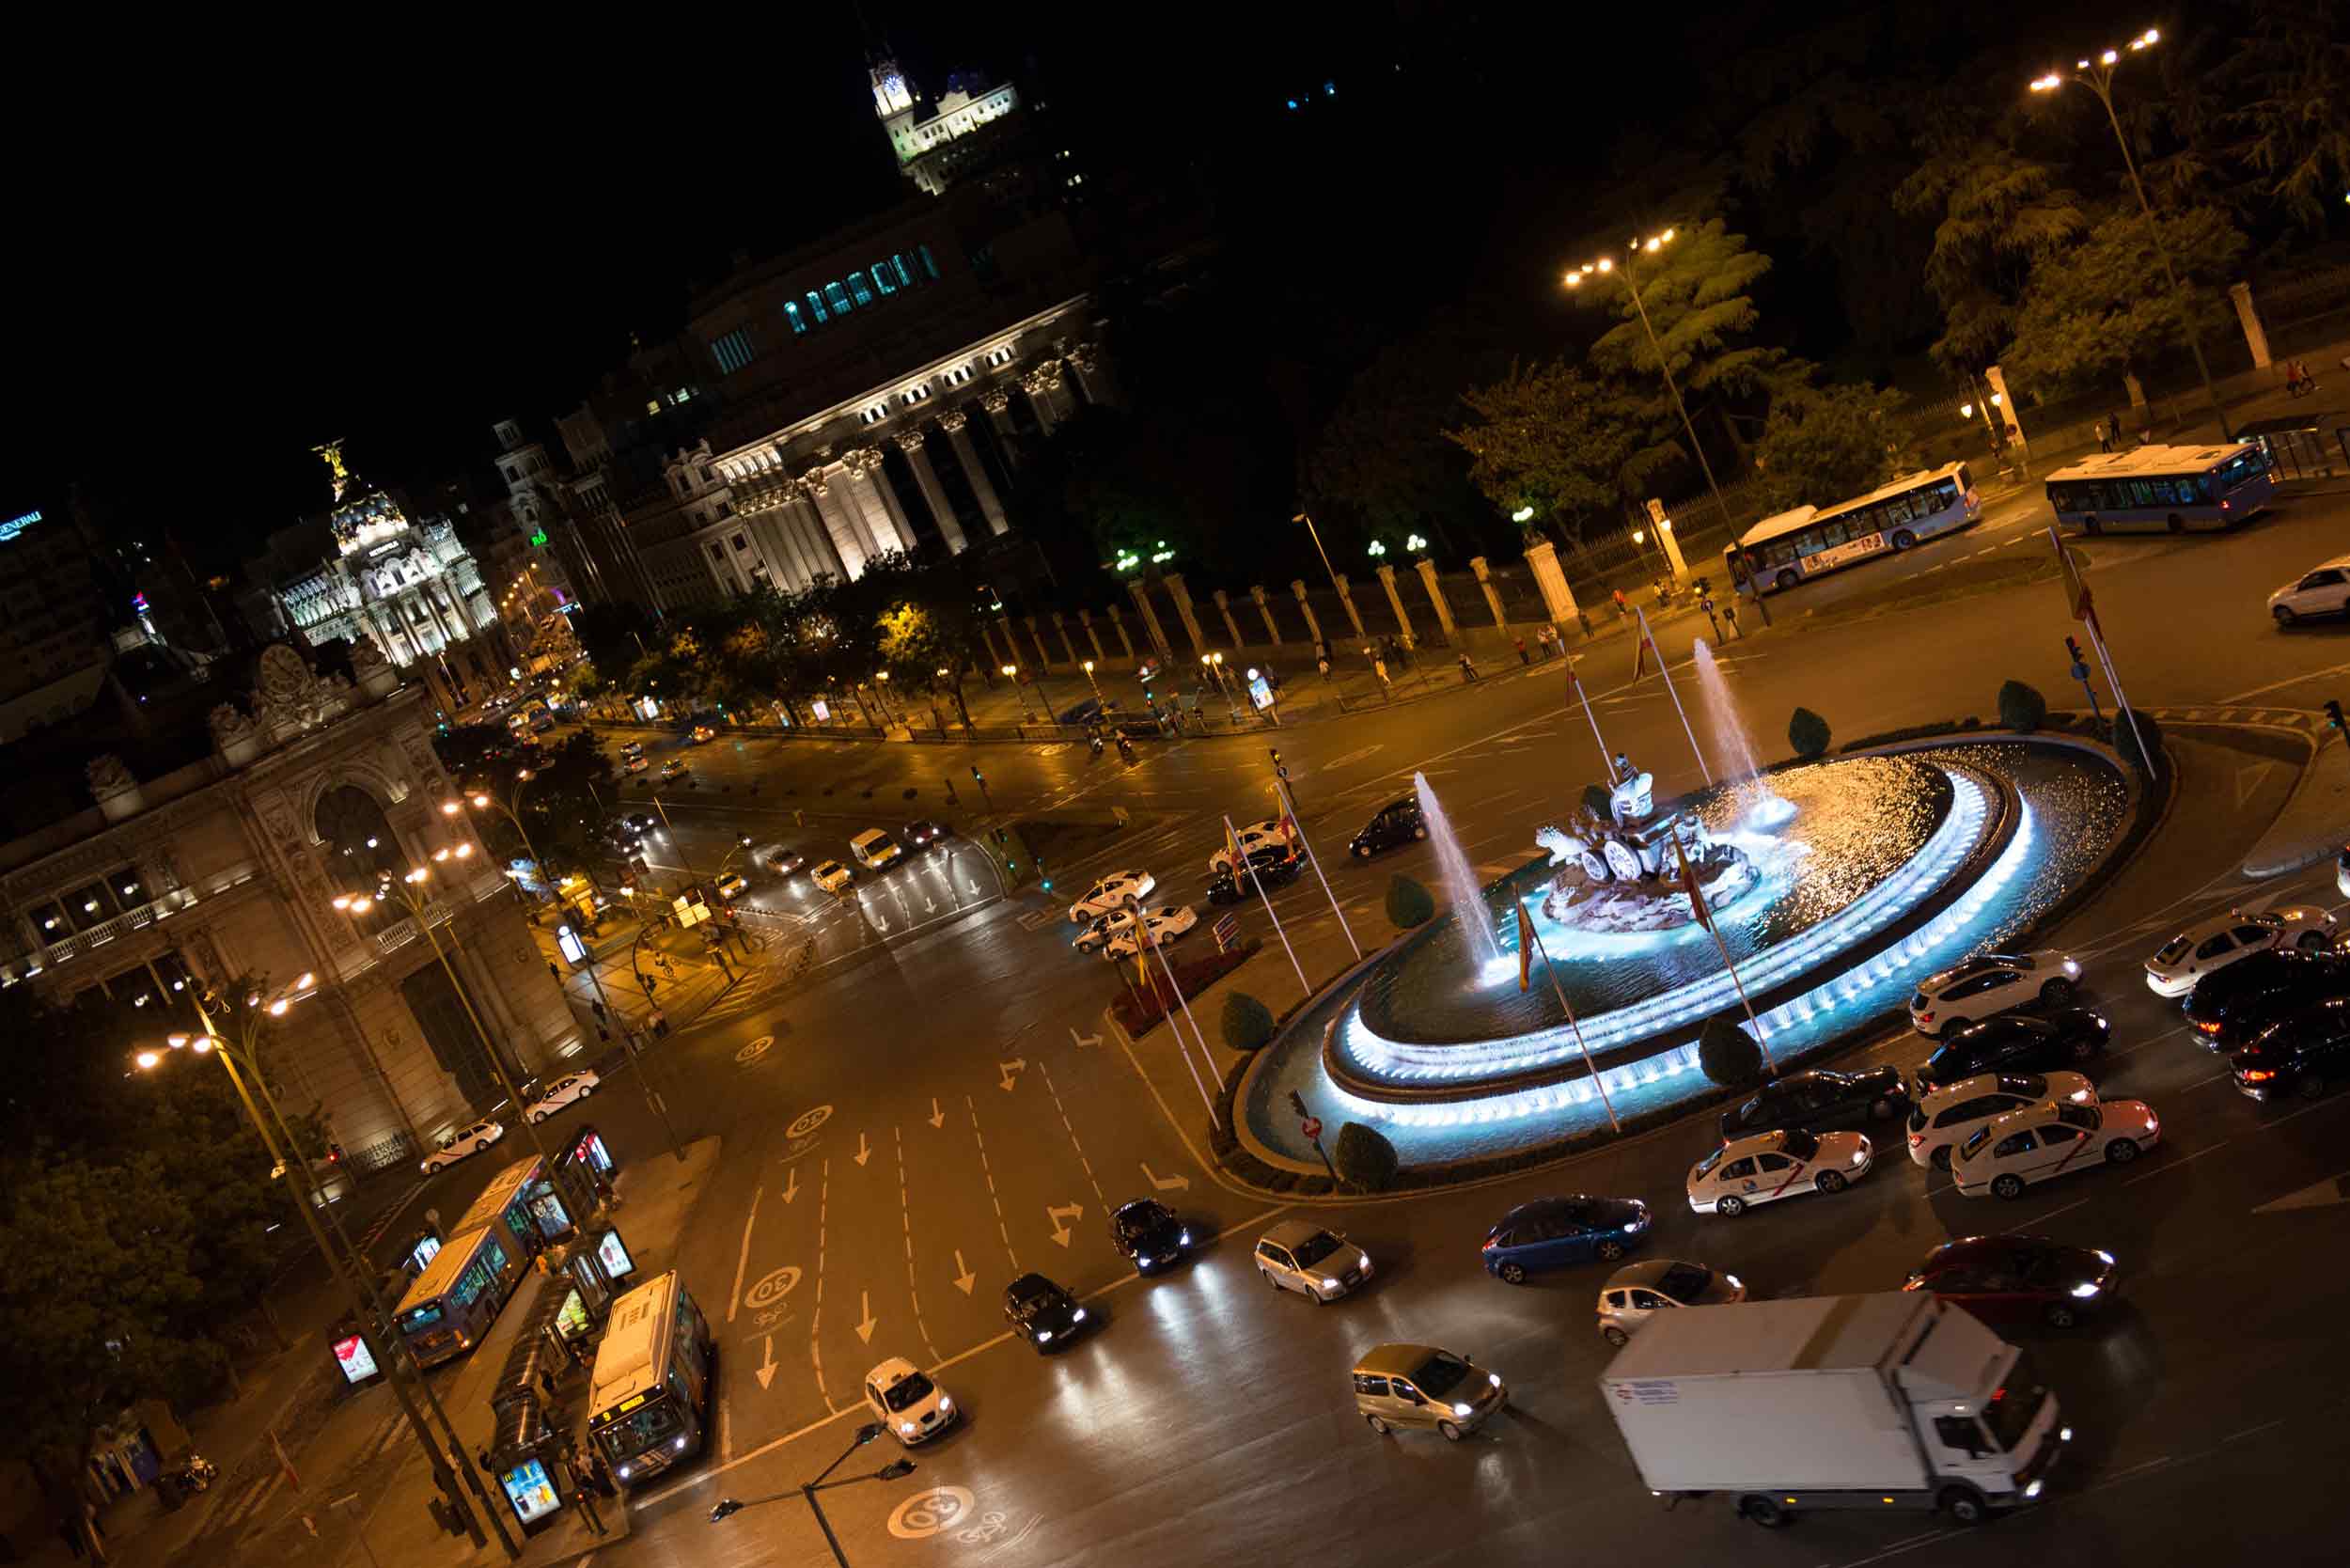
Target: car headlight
(1732,1280)
(679,1445)
(2087,1289)
(1327,1287)
(1860,1155)
(1362,1260)
(2033,1490)
(1637,1222)
(1042,1335)
(2064,1435)
(906,1427)
(946,1404)
(626,1471)
(1494,1378)
(2105,1258)
(2071,968)
(1183,1239)
(1144,1259)
(1461,1410)
(1078,1316)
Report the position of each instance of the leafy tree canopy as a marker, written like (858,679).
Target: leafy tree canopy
(2106,307)
(1824,441)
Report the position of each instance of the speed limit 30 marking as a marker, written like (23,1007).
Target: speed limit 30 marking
(808,1121)
(929,1514)
(755,1049)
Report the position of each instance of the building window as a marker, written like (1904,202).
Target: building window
(929,265)
(913,395)
(908,277)
(875,415)
(883,278)
(959,376)
(741,543)
(857,286)
(732,351)
(791,314)
(816,308)
(716,554)
(838,298)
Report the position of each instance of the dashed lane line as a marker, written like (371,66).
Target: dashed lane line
(905,1217)
(1104,1203)
(815,1352)
(989,1171)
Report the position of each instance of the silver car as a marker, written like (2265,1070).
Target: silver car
(1658,1285)
(1318,1264)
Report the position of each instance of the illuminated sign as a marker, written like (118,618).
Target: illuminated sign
(618,1264)
(356,1360)
(567,941)
(16,525)
(540,538)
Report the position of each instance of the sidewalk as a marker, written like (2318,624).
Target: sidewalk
(2315,823)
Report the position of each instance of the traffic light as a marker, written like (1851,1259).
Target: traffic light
(2333,716)
(2072,651)
(1042,875)
(1277,754)
(1297,1103)
(977,777)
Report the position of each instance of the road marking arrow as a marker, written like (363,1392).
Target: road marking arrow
(767,1362)
(1166,1183)
(965,1278)
(863,1152)
(938,1118)
(1015,1065)
(1082,1040)
(791,1186)
(930,905)
(865,1329)
(2320,1195)
(1061,1232)
(881,921)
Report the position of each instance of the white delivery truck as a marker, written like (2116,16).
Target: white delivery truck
(1875,1401)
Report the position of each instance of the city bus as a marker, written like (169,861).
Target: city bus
(649,1400)
(1795,546)
(519,1202)
(2171,487)
(458,1295)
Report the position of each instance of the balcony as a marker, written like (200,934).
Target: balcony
(153,912)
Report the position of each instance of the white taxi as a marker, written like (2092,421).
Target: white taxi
(1267,835)
(565,1091)
(2322,591)
(1111,893)
(1949,1116)
(463,1144)
(904,1399)
(2214,944)
(1991,983)
(1767,1167)
(2045,1141)
(1161,926)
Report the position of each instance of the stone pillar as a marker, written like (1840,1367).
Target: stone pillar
(997,403)
(1085,361)
(1313,627)
(1093,634)
(1552,579)
(1150,617)
(874,504)
(1435,597)
(1224,608)
(1038,384)
(952,423)
(2249,317)
(1118,623)
(1182,595)
(1036,635)
(1060,630)
(1346,596)
(1493,595)
(1394,603)
(840,524)
(805,525)
(926,480)
(1266,610)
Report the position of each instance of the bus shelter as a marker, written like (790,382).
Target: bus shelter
(2303,445)
(589,1155)
(529,1459)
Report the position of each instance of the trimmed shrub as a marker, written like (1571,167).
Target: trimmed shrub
(2021,707)
(1247,1022)
(1599,801)
(1807,733)
(2125,742)
(1409,903)
(1727,1055)
(1365,1158)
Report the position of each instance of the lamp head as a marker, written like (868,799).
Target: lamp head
(147,1059)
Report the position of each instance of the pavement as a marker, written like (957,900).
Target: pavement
(2315,823)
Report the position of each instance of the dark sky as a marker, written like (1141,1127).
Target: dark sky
(243,245)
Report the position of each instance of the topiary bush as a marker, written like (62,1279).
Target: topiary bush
(2125,742)
(1409,905)
(1365,1158)
(1807,733)
(1597,801)
(2021,707)
(1727,1055)
(1247,1022)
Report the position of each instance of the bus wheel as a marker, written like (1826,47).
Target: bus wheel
(2176,524)
(1787,579)
(1904,539)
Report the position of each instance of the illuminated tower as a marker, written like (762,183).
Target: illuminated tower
(893,100)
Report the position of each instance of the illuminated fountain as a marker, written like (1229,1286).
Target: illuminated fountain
(1460,878)
(1733,748)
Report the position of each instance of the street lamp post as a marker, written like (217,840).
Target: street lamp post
(1011,672)
(2097,76)
(899,1466)
(1315,534)
(508,806)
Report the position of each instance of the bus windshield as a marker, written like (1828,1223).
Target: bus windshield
(654,1422)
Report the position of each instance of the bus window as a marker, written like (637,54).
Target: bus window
(1965,478)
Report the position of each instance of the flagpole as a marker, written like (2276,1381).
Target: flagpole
(1145,938)
(1525,929)
(1607,757)
(2085,611)
(1650,639)
(1705,918)
(1268,908)
(1290,806)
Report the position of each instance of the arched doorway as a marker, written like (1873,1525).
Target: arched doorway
(361,851)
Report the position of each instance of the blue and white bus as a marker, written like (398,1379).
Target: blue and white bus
(2176,487)
(1795,546)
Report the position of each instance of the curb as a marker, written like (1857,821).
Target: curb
(2269,858)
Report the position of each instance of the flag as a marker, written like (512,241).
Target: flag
(1526,953)
(284,1463)
(1232,845)
(2076,594)
(1689,885)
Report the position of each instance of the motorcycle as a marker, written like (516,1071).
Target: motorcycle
(1125,750)
(1097,745)
(197,1473)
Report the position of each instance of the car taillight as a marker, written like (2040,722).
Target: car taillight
(2255,1076)
(1917,1138)
(1491,1242)
(2208,1028)
(1925,1018)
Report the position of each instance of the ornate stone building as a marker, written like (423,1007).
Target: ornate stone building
(230,865)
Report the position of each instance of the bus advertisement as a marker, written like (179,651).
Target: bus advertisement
(649,1400)
(2175,487)
(1795,546)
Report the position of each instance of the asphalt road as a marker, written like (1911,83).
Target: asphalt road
(935,1111)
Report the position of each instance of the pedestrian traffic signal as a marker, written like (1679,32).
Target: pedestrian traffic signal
(976,774)
(2333,716)
(2072,651)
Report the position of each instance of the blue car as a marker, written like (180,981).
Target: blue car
(1552,1232)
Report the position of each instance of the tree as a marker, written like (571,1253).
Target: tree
(610,633)
(560,810)
(1364,1157)
(1696,291)
(2021,707)
(1247,1022)
(1570,446)
(2273,125)
(1839,440)
(1726,1055)
(2107,308)
(1997,216)
(1409,903)
(1807,733)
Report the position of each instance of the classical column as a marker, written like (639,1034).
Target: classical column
(1038,388)
(870,493)
(1266,610)
(1085,362)
(1117,622)
(1346,596)
(926,480)
(952,422)
(1557,596)
(1150,617)
(996,658)
(1043,657)
(1085,618)
(1435,597)
(1313,627)
(847,539)
(1224,608)
(1182,596)
(1493,595)
(805,525)
(998,405)
(1060,630)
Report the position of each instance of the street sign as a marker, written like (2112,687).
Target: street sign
(1312,1127)
(1227,932)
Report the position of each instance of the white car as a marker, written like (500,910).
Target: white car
(2322,591)
(463,1144)
(904,1400)
(832,876)
(2341,874)
(676,768)
(2214,944)
(1163,925)
(1946,1117)
(1767,1167)
(1993,982)
(1636,1291)
(2047,1141)
(1110,893)
(731,886)
(1268,834)
(1317,1263)
(637,764)
(566,1089)
(1097,935)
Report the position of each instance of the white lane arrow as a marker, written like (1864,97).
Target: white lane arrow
(938,1118)
(1016,1064)
(1082,1040)
(792,1186)
(865,1328)
(2318,1194)
(863,1152)
(973,885)
(930,905)
(881,921)
(1061,1232)
(766,1363)
(1166,1183)
(965,1278)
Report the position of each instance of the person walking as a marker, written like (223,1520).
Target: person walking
(2113,430)
(1468,667)
(1524,657)
(1623,611)
(1379,668)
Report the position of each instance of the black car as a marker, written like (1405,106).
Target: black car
(1819,1102)
(1148,1233)
(1275,866)
(1041,1312)
(2228,1009)
(922,835)
(2002,1278)
(2062,1040)
(2297,1055)
(1398,823)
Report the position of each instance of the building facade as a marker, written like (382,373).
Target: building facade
(953,137)
(230,867)
(54,647)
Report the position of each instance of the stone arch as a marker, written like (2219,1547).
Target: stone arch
(372,779)
(358,847)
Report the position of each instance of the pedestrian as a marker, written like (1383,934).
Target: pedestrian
(1548,638)
(1524,657)
(660,1025)
(1379,668)
(2113,427)
(600,1476)
(584,1499)
(1321,661)
(2104,436)
(1468,670)
(1623,611)
(546,1381)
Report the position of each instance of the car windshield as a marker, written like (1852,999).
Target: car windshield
(1801,1145)
(1706,1165)
(1140,1220)
(2008,1413)
(1314,1249)
(913,1389)
(1966,1151)
(2172,950)
(1684,1281)
(420,1319)
(1440,1374)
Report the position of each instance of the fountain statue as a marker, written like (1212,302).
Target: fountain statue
(1623,875)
